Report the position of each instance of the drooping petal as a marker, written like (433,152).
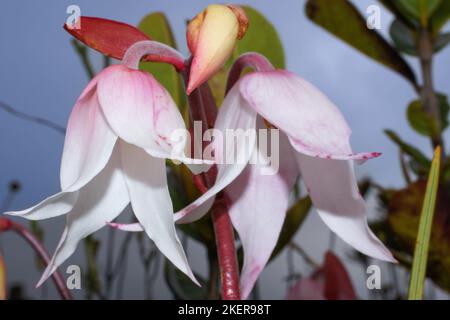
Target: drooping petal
(146,178)
(101,200)
(334,193)
(258,206)
(89,141)
(232,155)
(56,205)
(141,112)
(312,122)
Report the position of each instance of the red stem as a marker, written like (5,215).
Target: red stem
(203,108)
(6,224)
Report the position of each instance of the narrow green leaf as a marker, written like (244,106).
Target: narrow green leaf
(156,26)
(418,272)
(409,149)
(419,9)
(2,279)
(342,19)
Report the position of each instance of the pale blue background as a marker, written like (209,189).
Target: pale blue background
(41,75)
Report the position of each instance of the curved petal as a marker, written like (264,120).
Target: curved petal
(146,179)
(56,205)
(89,141)
(235,117)
(258,206)
(334,192)
(141,112)
(101,200)
(312,122)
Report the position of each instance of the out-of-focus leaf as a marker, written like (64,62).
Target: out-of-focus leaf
(422,122)
(403,37)
(2,279)
(418,272)
(294,219)
(329,282)
(109,37)
(399,229)
(441,41)
(410,150)
(157,27)
(440,17)
(181,286)
(400,13)
(38,232)
(342,19)
(262,37)
(419,9)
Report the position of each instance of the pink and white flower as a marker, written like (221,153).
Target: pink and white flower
(118,138)
(314,143)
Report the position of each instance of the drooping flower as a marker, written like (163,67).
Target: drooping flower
(211,38)
(330,281)
(313,142)
(119,135)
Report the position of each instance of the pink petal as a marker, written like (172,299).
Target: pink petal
(141,112)
(334,192)
(102,199)
(234,114)
(258,205)
(146,180)
(89,141)
(313,123)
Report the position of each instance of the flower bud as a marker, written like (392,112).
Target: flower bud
(211,38)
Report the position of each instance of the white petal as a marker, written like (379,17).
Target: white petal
(234,115)
(146,178)
(334,192)
(258,206)
(89,141)
(101,200)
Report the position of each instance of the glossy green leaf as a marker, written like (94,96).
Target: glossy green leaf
(408,149)
(181,286)
(156,26)
(422,122)
(440,16)
(418,272)
(262,37)
(342,19)
(294,219)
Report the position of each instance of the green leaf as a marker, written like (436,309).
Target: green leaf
(419,9)
(441,41)
(418,272)
(399,13)
(422,122)
(409,149)
(294,219)
(262,37)
(2,279)
(403,37)
(343,20)
(156,26)
(440,17)
(181,286)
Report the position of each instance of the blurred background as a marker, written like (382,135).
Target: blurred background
(41,75)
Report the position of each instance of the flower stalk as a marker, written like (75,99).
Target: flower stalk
(58,280)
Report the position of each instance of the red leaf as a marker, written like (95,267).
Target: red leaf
(112,38)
